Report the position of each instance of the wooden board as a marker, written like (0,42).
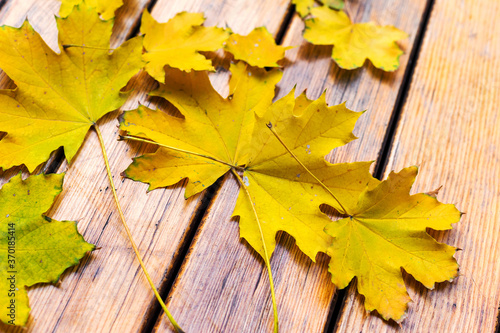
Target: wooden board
(223,285)
(450,127)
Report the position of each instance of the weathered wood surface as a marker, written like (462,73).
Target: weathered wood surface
(449,126)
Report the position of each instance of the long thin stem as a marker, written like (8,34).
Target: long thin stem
(266,255)
(270,126)
(129,234)
(134,138)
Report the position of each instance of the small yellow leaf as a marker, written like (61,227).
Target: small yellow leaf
(32,249)
(106,8)
(177,43)
(257,49)
(386,231)
(354,43)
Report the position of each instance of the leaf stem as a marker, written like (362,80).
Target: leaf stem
(270,126)
(129,234)
(134,138)
(266,256)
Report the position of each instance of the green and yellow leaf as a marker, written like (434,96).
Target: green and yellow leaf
(33,248)
(303,7)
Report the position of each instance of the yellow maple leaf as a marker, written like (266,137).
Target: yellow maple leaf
(60,96)
(303,7)
(106,8)
(219,135)
(177,43)
(386,231)
(354,42)
(33,248)
(258,48)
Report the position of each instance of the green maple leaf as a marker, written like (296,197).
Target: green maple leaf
(33,248)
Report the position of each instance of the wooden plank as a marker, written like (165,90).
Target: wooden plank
(223,285)
(107,291)
(40,13)
(450,127)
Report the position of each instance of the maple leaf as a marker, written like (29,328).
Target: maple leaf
(386,231)
(60,96)
(177,43)
(33,248)
(219,135)
(354,42)
(303,7)
(258,48)
(106,8)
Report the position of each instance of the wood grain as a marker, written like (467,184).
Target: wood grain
(223,286)
(450,127)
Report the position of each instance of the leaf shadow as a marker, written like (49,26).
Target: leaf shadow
(312,52)
(219,58)
(310,68)
(380,75)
